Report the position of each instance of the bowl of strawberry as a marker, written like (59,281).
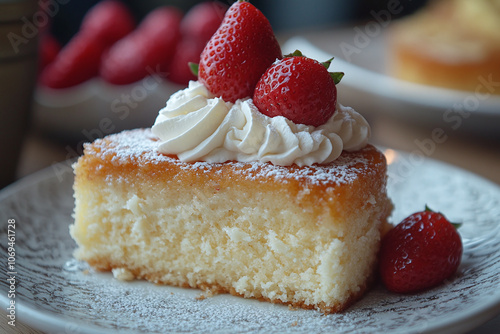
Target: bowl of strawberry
(115,72)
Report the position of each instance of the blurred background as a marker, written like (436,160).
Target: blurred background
(283,14)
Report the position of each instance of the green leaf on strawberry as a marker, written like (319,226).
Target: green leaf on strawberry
(456,225)
(336,76)
(194,68)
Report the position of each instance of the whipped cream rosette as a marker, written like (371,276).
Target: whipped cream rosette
(196,126)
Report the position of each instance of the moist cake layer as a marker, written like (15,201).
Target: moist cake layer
(304,236)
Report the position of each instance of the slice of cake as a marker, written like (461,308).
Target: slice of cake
(305,236)
(220,196)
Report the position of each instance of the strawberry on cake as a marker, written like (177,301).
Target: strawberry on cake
(253,181)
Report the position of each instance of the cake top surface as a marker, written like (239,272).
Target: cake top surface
(140,147)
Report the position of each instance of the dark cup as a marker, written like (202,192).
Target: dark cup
(18,69)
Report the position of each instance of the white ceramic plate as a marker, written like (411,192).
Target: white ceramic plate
(60,295)
(366,85)
(96,108)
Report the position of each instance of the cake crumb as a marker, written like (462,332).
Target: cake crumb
(207,293)
(122,274)
(295,323)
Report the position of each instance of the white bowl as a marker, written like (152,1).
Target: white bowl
(96,108)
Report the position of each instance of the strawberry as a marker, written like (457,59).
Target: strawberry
(239,52)
(298,88)
(199,24)
(202,21)
(160,31)
(80,59)
(109,21)
(148,49)
(77,62)
(420,253)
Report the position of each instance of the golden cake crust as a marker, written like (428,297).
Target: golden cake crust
(353,176)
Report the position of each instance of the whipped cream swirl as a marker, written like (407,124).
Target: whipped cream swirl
(196,126)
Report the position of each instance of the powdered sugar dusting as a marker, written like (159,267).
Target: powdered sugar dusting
(141,147)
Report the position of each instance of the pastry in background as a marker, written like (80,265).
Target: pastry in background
(449,43)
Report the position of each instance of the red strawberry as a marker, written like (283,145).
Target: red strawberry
(188,51)
(161,30)
(298,88)
(420,253)
(80,59)
(202,21)
(238,53)
(77,62)
(147,50)
(199,24)
(48,49)
(109,21)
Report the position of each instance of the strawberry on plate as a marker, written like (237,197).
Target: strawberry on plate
(420,253)
(298,88)
(239,52)
(147,50)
